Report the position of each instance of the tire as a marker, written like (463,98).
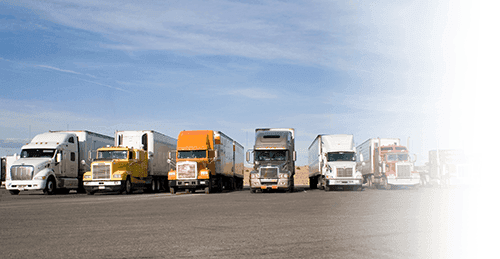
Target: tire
(90,192)
(129,187)
(14,192)
(154,186)
(50,187)
(253,190)
(313,183)
(385,185)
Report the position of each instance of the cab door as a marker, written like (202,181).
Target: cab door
(69,162)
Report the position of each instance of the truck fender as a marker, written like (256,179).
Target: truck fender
(47,172)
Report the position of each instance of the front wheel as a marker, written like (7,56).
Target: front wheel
(50,188)
(14,192)
(129,188)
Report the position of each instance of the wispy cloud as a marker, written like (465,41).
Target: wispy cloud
(60,70)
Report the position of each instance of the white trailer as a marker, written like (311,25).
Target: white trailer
(332,163)
(54,160)
(158,147)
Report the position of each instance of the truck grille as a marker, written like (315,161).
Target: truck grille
(344,172)
(101,171)
(403,171)
(269,172)
(21,172)
(186,171)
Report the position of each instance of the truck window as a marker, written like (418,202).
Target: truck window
(145,142)
(192,154)
(71,140)
(73,157)
(271,155)
(119,154)
(26,153)
(341,156)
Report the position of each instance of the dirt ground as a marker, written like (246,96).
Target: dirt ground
(301,175)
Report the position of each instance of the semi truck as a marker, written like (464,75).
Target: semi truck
(448,167)
(5,164)
(273,159)
(207,160)
(54,161)
(332,163)
(138,160)
(385,163)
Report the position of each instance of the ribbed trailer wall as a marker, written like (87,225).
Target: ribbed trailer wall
(314,157)
(239,160)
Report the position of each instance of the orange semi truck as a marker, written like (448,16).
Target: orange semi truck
(207,160)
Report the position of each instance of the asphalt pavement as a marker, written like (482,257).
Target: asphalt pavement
(405,223)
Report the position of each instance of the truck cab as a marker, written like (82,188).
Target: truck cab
(274,160)
(397,166)
(48,162)
(116,169)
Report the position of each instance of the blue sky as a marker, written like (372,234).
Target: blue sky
(369,68)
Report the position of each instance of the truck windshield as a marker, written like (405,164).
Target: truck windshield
(26,153)
(192,154)
(117,154)
(341,156)
(271,155)
(397,157)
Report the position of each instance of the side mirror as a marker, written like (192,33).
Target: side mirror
(361,157)
(248,156)
(58,157)
(294,155)
(83,162)
(216,154)
(414,160)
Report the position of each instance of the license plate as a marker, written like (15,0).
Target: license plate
(102,187)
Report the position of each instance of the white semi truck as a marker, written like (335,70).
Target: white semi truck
(385,163)
(449,167)
(332,163)
(54,161)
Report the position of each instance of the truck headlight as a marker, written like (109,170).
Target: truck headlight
(254,176)
(172,175)
(204,174)
(284,175)
(87,176)
(41,177)
(117,176)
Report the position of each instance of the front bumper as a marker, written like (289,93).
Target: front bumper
(270,183)
(403,181)
(341,182)
(31,185)
(103,185)
(189,183)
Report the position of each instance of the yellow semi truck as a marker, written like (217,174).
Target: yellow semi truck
(117,169)
(139,160)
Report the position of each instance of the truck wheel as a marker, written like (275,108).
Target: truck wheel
(90,192)
(154,186)
(129,187)
(50,187)
(14,192)
(253,190)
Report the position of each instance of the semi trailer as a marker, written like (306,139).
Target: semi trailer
(208,160)
(139,160)
(385,163)
(449,167)
(332,163)
(54,161)
(273,160)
